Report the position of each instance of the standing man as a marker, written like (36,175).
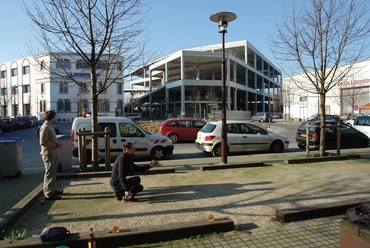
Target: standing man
(125,189)
(49,145)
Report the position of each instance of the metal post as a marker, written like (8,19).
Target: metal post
(223,115)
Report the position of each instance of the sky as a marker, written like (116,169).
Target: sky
(174,25)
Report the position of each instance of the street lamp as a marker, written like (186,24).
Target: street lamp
(222,18)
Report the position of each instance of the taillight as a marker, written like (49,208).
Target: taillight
(73,136)
(315,136)
(209,138)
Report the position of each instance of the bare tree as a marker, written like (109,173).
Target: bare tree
(5,98)
(349,96)
(287,98)
(132,103)
(319,39)
(101,33)
(212,97)
(194,99)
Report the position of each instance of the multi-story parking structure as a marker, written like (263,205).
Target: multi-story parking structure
(169,85)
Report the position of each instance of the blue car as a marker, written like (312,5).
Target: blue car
(39,124)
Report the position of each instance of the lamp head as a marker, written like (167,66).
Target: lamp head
(222,18)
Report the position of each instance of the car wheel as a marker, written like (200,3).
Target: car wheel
(158,153)
(277,147)
(302,145)
(217,151)
(173,137)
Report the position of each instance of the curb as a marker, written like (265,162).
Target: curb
(136,236)
(322,159)
(317,211)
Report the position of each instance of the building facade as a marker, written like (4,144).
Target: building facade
(28,87)
(188,82)
(346,97)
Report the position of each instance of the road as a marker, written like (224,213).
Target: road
(31,150)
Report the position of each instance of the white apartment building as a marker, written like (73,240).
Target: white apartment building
(165,87)
(28,88)
(354,90)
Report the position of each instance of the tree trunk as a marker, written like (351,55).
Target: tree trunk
(94,120)
(322,124)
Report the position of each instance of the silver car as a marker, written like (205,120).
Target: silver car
(242,136)
(262,117)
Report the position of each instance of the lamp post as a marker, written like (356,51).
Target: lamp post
(222,18)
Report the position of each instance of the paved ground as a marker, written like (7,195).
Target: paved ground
(301,185)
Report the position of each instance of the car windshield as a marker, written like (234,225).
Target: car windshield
(208,128)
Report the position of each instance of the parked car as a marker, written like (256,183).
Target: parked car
(361,123)
(262,117)
(133,116)
(277,115)
(34,120)
(328,117)
(8,124)
(242,136)
(183,129)
(23,121)
(350,137)
(39,124)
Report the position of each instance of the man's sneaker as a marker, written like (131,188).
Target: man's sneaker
(118,196)
(53,198)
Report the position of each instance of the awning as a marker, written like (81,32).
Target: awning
(365,107)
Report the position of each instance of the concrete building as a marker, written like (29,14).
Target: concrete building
(28,88)
(351,94)
(188,82)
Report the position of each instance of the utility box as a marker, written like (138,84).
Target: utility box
(11,157)
(65,153)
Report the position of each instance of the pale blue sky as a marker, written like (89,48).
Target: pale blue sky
(174,24)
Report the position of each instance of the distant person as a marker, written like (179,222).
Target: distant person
(125,188)
(49,154)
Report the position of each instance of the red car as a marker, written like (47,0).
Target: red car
(181,129)
(23,121)
(8,125)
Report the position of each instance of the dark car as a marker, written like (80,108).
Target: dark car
(184,129)
(328,117)
(8,124)
(350,137)
(39,124)
(23,121)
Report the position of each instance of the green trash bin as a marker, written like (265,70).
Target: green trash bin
(11,157)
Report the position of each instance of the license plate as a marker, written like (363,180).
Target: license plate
(304,135)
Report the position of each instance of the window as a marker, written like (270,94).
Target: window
(60,105)
(83,88)
(80,64)
(63,88)
(102,65)
(119,66)
(26,69)
(42,106)
(64,63)
(3,74)
(67,105)
(129,130)
(111,126)
(119,88)
(42,65)
(42,86)
(14,90)
(25,88)
(14,72)
(103,105)
(4,92)
(101,85)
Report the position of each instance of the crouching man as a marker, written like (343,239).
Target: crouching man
(125,188)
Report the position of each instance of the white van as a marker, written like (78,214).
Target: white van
(121,130)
